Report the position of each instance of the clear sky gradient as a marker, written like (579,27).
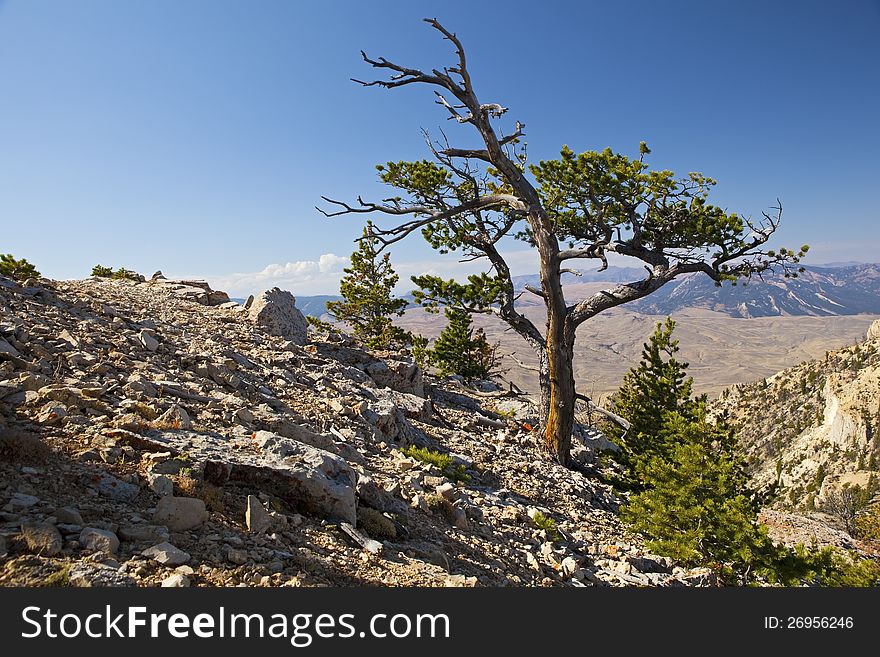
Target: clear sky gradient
(196,136)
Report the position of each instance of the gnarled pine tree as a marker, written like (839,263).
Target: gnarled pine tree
(579,206)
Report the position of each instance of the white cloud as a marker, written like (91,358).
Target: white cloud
(300,277)
(322,276)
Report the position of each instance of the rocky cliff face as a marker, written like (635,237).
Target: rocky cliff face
(813,427)
(154,433)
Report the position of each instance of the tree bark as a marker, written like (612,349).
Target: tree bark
(557,385)
(558,395)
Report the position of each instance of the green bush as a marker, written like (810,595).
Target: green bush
(121,273)
(548,525)
(20,270)
(461,350)
(443,462)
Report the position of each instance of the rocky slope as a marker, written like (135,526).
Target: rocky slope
(814,427)
(155,434)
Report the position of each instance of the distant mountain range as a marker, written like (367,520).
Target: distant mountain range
(818,291)
(821,290)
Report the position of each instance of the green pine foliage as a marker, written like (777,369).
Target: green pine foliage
(19,269)
(443,462)
(122,273)
(693,501)
(696,506)
(548,525)
(367,304)
(461,350)
(658,385)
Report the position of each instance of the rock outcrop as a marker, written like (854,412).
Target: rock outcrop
(275,311)
(810,429)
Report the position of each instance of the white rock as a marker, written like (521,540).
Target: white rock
(175,417)
(180,513)
(275,310)
(160,484)
(256,517)
(175,580)
(166,553)
(447,491)
(147,339)
(99,540)
(569,566)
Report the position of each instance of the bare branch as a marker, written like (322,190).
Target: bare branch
(531,368)
(492,201)
(623,423)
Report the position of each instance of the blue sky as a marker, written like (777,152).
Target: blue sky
(196,136)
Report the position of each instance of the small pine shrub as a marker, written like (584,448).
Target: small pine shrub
(461,350)
(19,269)
(443,462)
(122,273)
(548,525)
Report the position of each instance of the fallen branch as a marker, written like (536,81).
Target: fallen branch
(614,417)
(371,546)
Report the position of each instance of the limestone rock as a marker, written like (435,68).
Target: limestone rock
(143,533)
(176,580)
(84,574)
(148,339)
(175,417)
(167,554)
(68,515)
(275,311)
(400,375)
(99,540)
(160,484)
(256,518)
(180,513)
(42,538)
(116,489)
(309,479)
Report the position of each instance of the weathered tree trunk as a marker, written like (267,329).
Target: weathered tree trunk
(557,372)
(559,407)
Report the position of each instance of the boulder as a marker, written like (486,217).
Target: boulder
(148,339)
(400,375)
(176,580)
(68,515)
(99,540)
(180,513)
(389,423)
(97,574)
(143,533)
(373,495)
(42,538)
(175,418)
(309,479)
(412,406)
(255,515)
(276,312)
(160,484)
(874,330)
(167,554)
(115,489)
